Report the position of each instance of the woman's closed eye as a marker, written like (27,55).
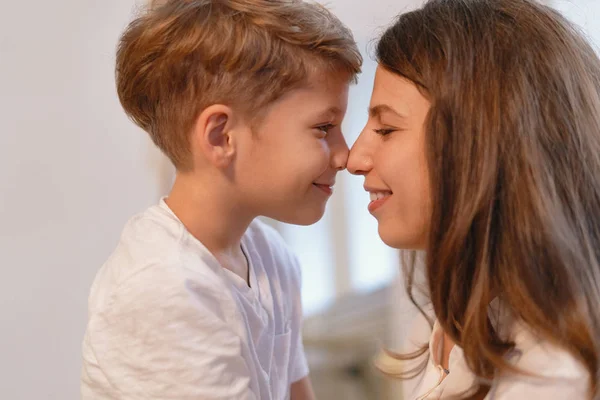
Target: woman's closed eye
(384,131)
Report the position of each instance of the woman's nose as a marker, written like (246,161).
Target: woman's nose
(360,161)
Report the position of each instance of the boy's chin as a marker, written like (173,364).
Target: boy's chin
(304,217)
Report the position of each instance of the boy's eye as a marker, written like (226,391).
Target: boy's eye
(383,132)
(324,129)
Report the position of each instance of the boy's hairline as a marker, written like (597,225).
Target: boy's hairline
(258,115)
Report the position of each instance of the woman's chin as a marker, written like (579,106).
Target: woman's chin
(401,240)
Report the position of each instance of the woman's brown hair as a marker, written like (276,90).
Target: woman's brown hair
(513,147)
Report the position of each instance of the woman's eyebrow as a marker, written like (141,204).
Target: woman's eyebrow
(376,111)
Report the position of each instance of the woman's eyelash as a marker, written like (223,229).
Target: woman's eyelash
(383,132)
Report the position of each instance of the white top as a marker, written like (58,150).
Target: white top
(166,321)
(559,375)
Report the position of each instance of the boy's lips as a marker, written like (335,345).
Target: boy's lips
(326,188)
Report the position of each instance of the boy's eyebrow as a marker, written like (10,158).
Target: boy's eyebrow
(379,109)
(330,112)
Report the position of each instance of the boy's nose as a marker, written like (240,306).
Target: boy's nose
(339,154)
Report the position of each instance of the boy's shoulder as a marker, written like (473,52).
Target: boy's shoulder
(150,237)
(153,252)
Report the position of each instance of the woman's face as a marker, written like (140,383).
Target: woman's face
(390,154)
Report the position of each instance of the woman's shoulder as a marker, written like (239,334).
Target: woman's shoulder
(543,369)
(539,356)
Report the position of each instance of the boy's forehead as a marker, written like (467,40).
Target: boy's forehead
(324,101)
(321,78)
(328,86)
(320,98)
(329,112)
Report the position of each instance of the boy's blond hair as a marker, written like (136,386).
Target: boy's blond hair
(182,56)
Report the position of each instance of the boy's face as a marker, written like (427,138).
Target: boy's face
(288,165)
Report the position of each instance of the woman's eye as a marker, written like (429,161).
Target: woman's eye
(383,132)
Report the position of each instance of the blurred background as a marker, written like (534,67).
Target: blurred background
(73,169)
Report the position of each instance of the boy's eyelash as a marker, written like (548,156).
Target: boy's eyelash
(383,132)
(326,128)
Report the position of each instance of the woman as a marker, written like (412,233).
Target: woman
(483,150)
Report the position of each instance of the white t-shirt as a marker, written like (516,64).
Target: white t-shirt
(558,375)
(166,321)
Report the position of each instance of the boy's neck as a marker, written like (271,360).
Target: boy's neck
(214,218)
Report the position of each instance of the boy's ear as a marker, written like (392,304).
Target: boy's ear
(213,135)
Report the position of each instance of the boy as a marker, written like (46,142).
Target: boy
(199,300)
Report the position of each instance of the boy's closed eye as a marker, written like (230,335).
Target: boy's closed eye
(323,129)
